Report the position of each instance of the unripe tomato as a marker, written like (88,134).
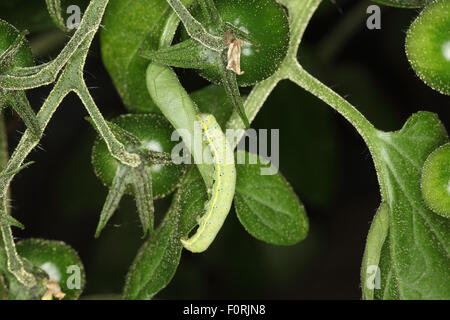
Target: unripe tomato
(155,133)
(436,180)
(59,261)
(428,46)
(267,23)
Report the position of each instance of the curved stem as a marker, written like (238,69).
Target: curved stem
(303,79)
(300,13)
(367,131)
(116,148)
(71,79)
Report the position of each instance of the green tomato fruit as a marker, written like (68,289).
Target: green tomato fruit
(266,22)
(436,181)
(8,34)
(59,261)
(155,133)
(428,46)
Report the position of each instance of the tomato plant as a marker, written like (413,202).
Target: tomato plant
(182,152)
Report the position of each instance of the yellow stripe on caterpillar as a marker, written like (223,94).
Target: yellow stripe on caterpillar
(222,191)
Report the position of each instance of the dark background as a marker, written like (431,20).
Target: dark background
(321,155)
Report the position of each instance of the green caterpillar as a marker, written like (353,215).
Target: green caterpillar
(218,172)
(222,191)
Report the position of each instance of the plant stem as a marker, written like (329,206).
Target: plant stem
(72,58)
(195,29)
(300,13)
(116,148)
(71,79)
(303,79)
(14,262)
(89,26)
(252,106)
(4,155)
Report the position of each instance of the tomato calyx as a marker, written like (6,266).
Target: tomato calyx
(134,145)
(136,181)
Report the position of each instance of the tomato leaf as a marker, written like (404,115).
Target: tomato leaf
(131,25)
(419,239)
(388,289)
(158,258)
(267,206)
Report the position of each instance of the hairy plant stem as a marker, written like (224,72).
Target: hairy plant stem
(303,79)
(14,262)
(71,60)
(195,29)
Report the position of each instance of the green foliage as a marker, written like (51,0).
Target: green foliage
(157,260)
(408,244)
(124,35)
(419,240)
(267,206)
